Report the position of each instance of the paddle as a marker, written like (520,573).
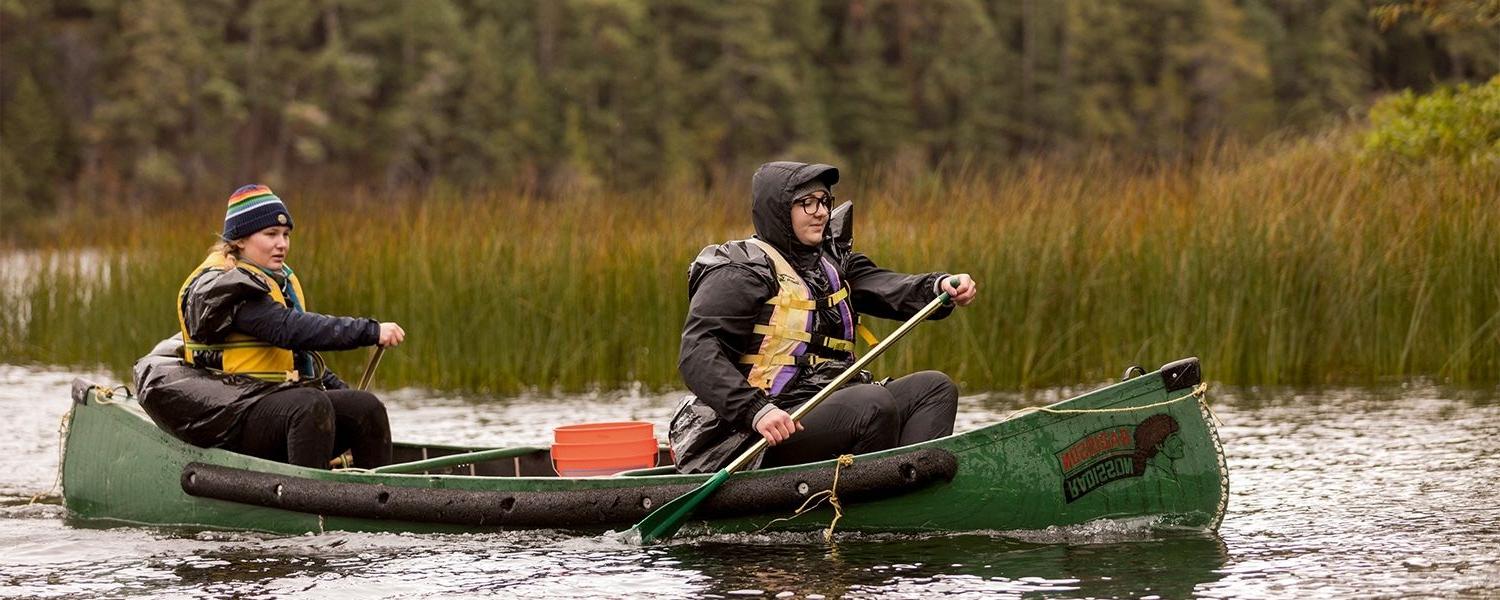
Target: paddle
(665,521)
(364,380)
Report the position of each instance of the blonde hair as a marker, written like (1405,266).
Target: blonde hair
(225,247)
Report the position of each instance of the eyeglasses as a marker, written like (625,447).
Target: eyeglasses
(810,202)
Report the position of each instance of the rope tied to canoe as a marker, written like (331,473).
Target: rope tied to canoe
(103,395)
(342,461)
(62,452)
(106,395)
(831,495)
(1198,392)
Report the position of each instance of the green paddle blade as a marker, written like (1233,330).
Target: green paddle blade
(663,522)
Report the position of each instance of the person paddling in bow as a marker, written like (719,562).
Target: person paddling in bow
(243,373)
(772,320)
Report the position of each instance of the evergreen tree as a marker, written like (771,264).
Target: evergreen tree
(870,105)
(960,72)
(804,109)
(419,46)
(675,166)
(1161,75)
(1229,85)
(746,91)
(484,149)
(1433,41)
(1317,53)
(606,83)
(1113,67)
(1038,38)
(37,143)
(330,109)
(158,95)
(146,120)
(32,149)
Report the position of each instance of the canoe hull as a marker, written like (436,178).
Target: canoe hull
(1145,447)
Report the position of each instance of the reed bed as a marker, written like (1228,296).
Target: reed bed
(1287,263)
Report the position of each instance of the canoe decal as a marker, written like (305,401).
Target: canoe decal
(1120,452)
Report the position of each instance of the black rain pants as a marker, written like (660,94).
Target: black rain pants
(869,417)
(307,426)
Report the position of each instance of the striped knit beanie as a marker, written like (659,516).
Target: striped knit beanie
(251,209)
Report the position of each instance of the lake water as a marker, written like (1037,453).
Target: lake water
(1340,493)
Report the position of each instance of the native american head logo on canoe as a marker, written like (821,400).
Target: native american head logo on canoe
(1120,452)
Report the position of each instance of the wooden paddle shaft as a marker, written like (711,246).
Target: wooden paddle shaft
(850,372)
(364,380)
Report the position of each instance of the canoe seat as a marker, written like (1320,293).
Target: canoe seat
(662,470)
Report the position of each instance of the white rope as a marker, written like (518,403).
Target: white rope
(1198,392)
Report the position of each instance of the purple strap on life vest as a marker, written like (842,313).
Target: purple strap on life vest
(845,315)
(785,374)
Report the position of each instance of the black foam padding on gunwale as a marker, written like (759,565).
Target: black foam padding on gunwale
(81,389)
(1181,374)
(862,481)
(581,508)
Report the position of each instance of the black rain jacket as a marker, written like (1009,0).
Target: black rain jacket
(728,286)
(205,408)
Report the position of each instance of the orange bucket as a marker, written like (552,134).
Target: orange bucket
(593,449)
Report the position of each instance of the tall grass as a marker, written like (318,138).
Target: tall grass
(1283,263)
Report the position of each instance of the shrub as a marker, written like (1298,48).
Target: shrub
(1461,123)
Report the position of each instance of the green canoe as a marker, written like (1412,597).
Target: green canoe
(1144,447)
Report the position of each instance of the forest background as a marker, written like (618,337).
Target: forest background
(1297,191)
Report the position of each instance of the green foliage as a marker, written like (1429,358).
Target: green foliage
(137,99)
(1460,123)
(28,161)
(1166,75)
(1441,15)
(1319,55)
(146,118)
(37,141)
(870,111)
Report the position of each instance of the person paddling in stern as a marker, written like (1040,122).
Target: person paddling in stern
(243,373)
(772,320)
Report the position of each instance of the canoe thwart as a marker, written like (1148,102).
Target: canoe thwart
(649,471)
(465,458)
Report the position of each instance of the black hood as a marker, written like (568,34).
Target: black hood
(771,202)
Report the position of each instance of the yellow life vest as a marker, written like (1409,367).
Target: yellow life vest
(788,333)
(240,353)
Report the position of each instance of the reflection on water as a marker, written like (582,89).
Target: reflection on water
(19,270)
(1091,564)
(1342,493)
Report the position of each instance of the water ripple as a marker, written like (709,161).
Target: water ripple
(1335,493)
